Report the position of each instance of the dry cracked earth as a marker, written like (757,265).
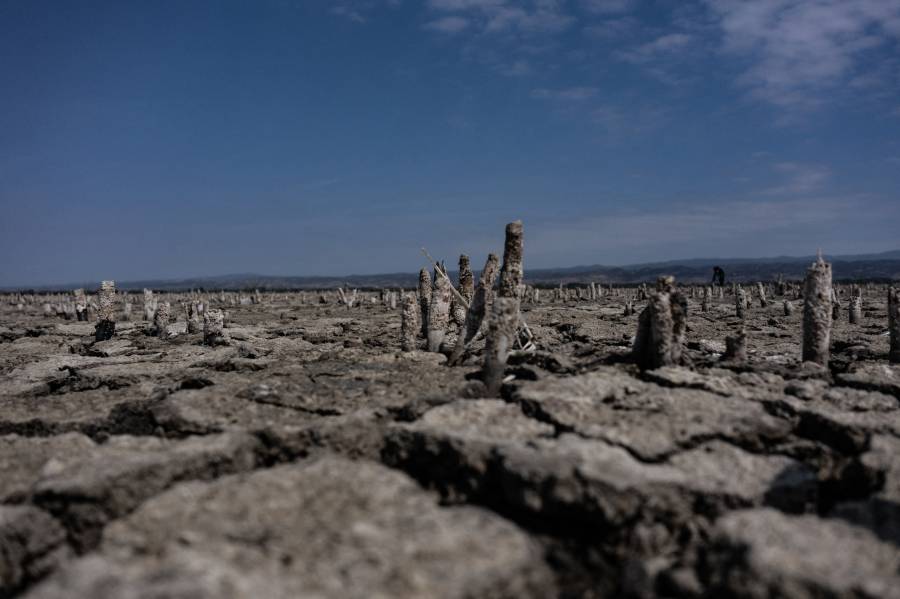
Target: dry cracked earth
(310,457)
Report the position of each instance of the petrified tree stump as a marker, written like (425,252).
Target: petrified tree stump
(788,307)
(480,305)
(855,309)
(740,302)
(438,313)
(835,306)
(501,334)
(106,313)
(81,305)
(424,298)
(214,328)
(736,347)
(193,313)
(817,313)
(763,302)
(466,290)
(161,319)
(894,324)
(661,328)
(409,323)
(512,272)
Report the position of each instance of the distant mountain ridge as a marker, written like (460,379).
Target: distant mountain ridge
(881,266)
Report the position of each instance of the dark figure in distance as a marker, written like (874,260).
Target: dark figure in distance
(718,276)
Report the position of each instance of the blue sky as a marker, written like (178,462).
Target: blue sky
(171,138)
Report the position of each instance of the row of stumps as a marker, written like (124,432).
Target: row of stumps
(213,321)
(476,310)
(662,324)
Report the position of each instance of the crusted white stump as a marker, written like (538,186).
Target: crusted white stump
(817,313)
(740,302)
(106,312)
(161,320)
(763,302)
(835,306)
(894,323)
(424,298)
(214,327)
(855,309)
(409,323)
(788,307)
(512,272)
(480,304)
(438,313)
(466,290)
(194,317)
(661,328)
(81,305)
(736,347)
(501,333)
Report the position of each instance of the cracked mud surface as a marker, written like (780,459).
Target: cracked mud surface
(311,457)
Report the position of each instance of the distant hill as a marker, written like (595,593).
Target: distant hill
(883,266)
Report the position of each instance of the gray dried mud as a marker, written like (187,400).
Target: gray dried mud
(305,454)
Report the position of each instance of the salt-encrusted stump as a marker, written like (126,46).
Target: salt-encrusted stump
(501,333)
(835,306)
(788,307)
(214,328)
(161,319)
(679,304)
(438,313)
(193,314)
(106,312)
(763,302)
(740,302)
(661,328)
(704,303)
(81,306)
(481,303)
(149,305)
(894,323)
(736,347)
(855,309)
(512,272)
(466,290)
(817,313)
(409,323)
(629,309)
(424,298)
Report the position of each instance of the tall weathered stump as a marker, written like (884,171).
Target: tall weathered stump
(817,313)
(106,312)
(409,323)
(894,324)
(500,337)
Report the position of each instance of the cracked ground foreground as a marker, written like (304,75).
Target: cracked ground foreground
(311,457)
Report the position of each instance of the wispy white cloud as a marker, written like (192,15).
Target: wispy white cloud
(348,13)
(508,16)
(769,226)
(604,7)
(798,50)
(627,118)
(661,47)
(612,29)
(448,25)
(359,11)
(799,178)
(569,94)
